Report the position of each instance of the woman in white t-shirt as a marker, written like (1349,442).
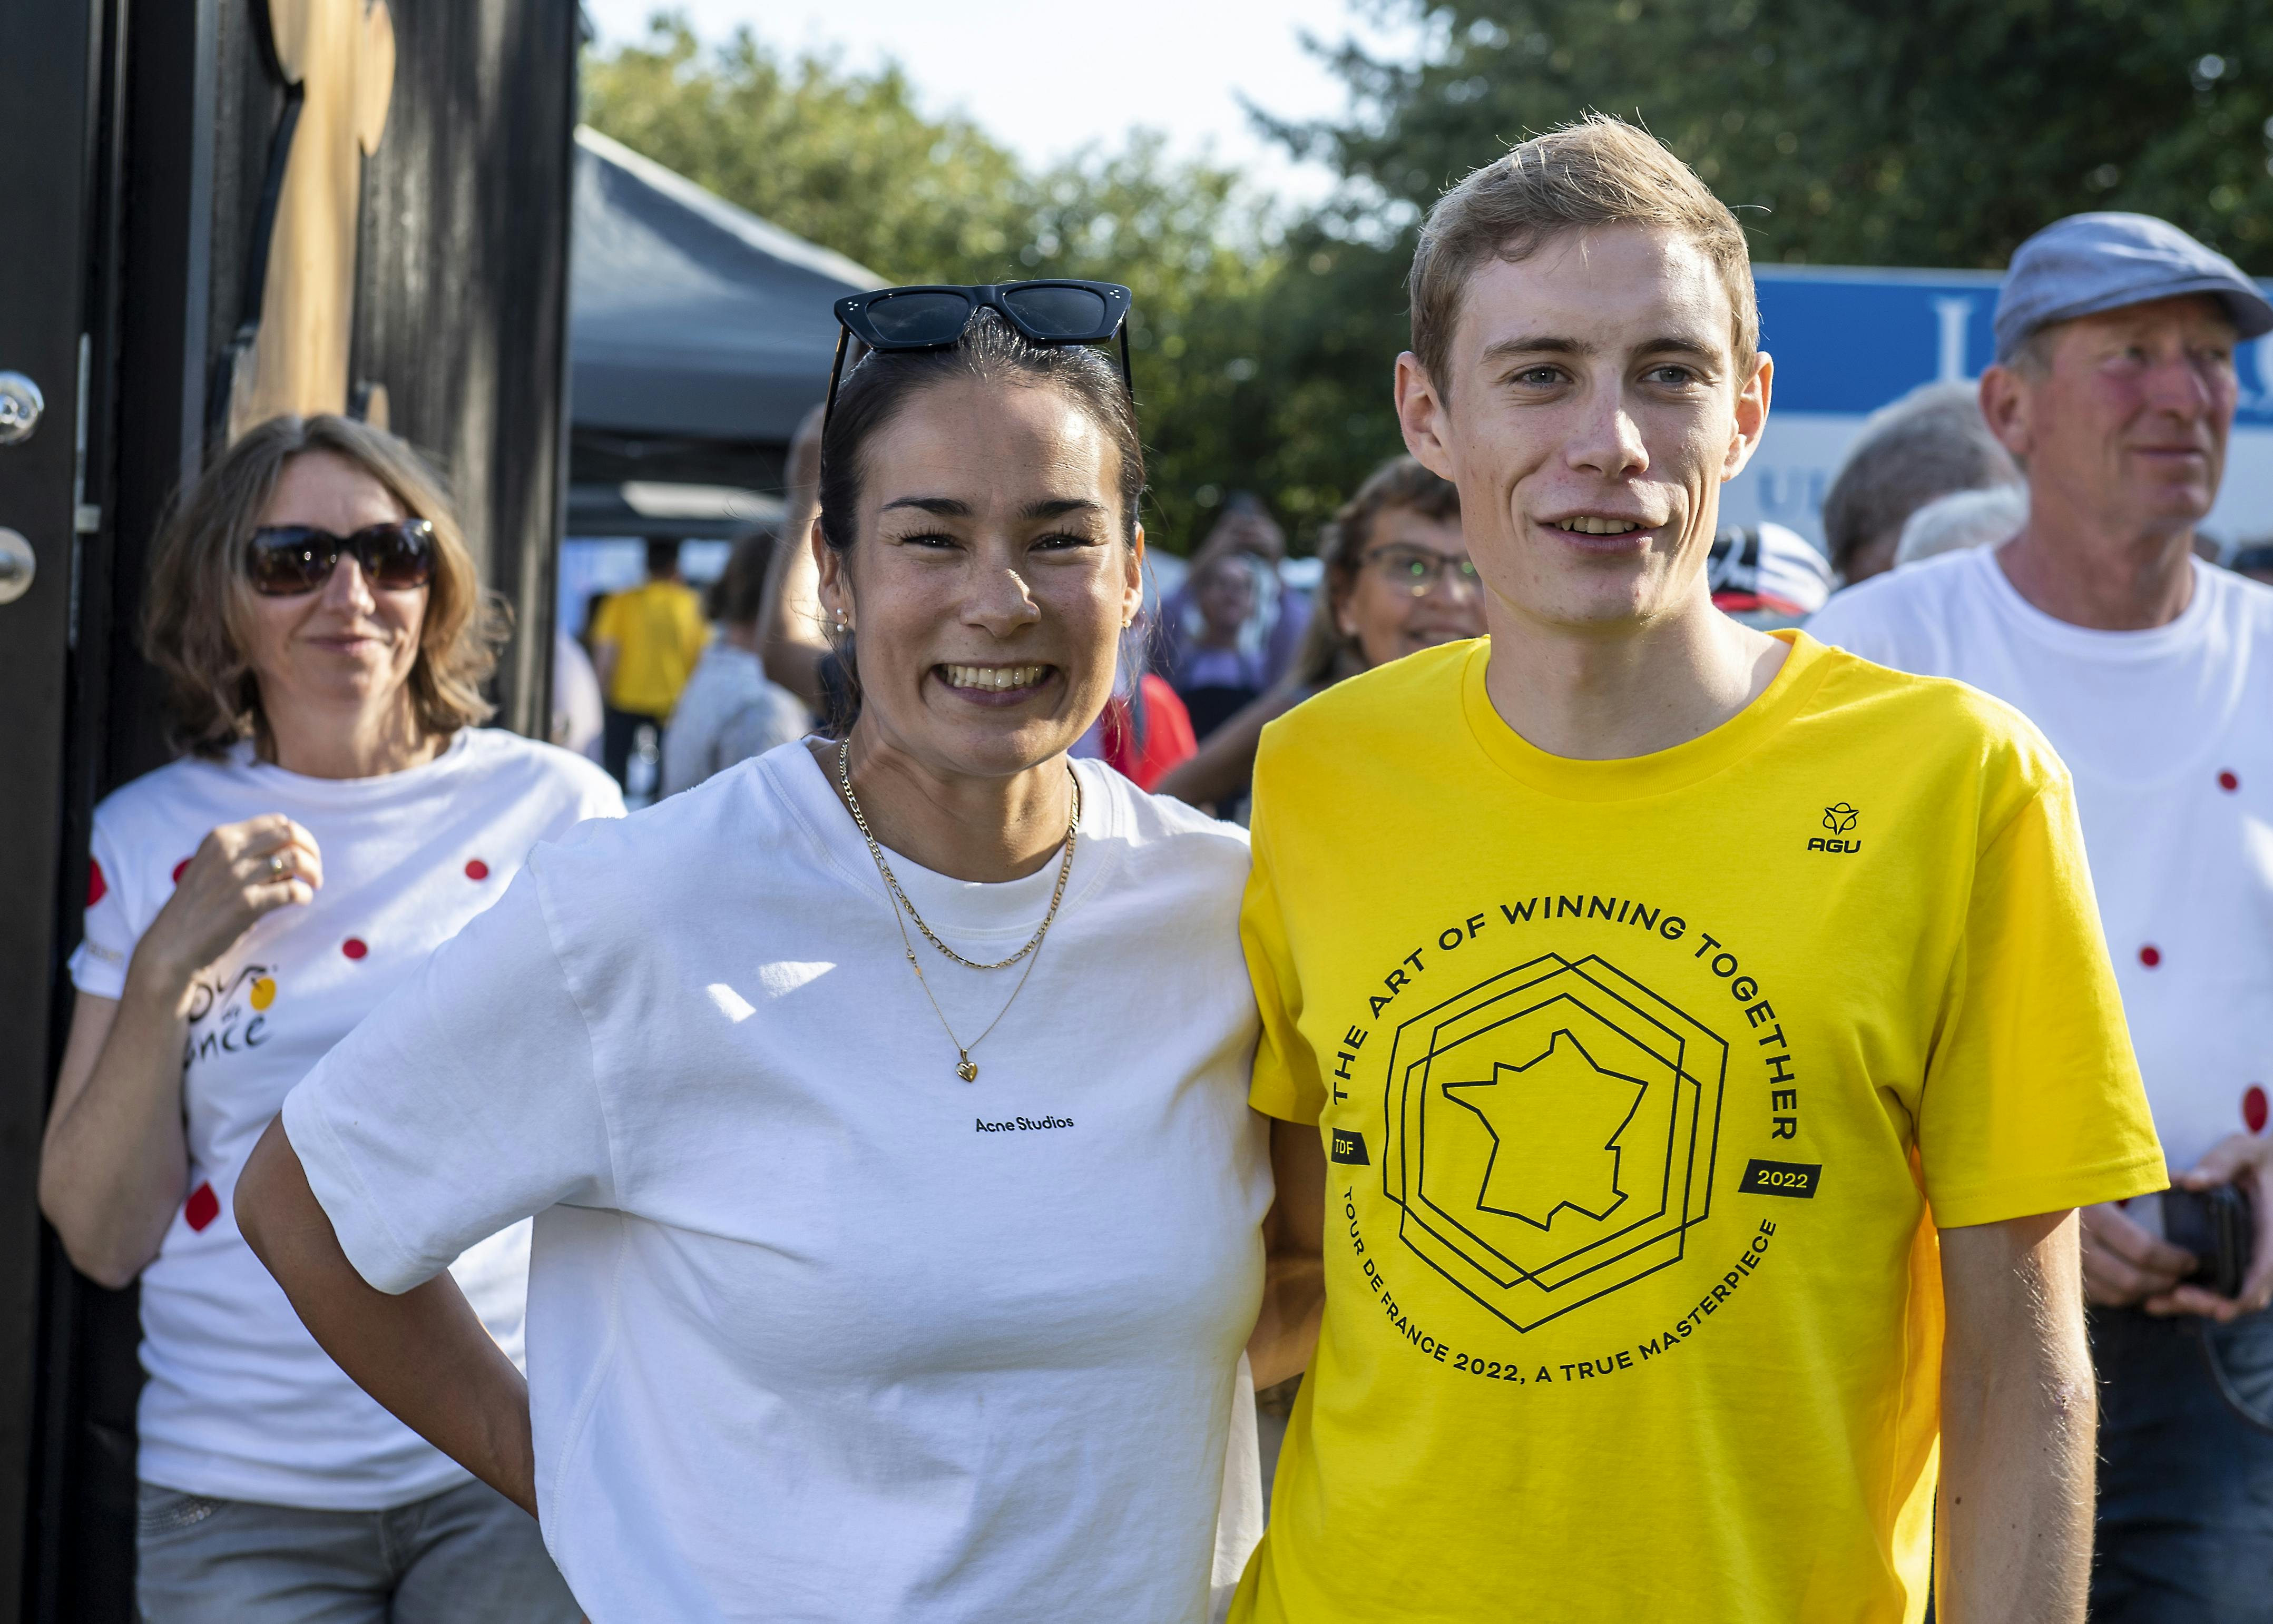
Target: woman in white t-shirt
(880,1102)
(333,818)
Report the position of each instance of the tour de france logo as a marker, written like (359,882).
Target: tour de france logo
(1551,1135)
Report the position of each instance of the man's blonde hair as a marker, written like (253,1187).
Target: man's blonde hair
(1599,171)
(196,620)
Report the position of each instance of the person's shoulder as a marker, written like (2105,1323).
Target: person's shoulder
(2239,597)
(1398,698)
(1162,819)
(1924,722)
(1900,600)
(498,753)
(158,795)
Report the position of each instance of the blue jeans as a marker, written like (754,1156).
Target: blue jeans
(2186,1479)
(467,1553)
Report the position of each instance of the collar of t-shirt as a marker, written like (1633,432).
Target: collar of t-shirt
(1660,772)
(967,911)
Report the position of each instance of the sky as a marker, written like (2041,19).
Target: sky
(1044,77)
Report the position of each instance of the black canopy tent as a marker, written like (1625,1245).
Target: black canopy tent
(699,336)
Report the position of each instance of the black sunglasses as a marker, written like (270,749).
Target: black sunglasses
(283,560)
(934,317)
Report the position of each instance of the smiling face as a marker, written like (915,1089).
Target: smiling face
(2127,412)
(1592,410)
(989,580)
(347,645)
(1380,613)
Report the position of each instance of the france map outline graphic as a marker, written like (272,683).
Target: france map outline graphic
(1625,1173)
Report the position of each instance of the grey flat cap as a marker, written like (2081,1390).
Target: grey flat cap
(2089,263)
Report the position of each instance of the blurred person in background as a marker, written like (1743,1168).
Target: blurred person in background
(2254,559)
(1767,576)
(1218,664)
(1397,580)
(336,814)
(1962,520)
(645,641)
(2152,673)
(729,711)
(1282,612)
(880,1102)
(1929,443)
(579,713)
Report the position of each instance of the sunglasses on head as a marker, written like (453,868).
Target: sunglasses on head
(283,560)
(934,317)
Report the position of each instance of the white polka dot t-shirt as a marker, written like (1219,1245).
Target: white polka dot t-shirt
(241,1403)
(2169,734)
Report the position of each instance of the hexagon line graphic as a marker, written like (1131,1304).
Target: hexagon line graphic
(1440,1172)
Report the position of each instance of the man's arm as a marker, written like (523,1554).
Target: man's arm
(1293,1242)
(2019,1412)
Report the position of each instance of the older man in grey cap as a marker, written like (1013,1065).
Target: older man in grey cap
(2152,675)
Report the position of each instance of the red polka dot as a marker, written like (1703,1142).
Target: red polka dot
(2228,782)
(202,1208)
(477,870)
(354,947)
(97,888)
(2253,1108)
(2151,956)
(178,867)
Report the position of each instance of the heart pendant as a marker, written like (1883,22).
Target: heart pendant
(967,1069)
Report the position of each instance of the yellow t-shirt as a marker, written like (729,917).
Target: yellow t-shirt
(658,631)
(1643,1085)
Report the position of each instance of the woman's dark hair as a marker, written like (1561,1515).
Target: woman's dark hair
(991,351)
(1326,655)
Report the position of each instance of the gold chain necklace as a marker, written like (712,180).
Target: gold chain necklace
(965,1068)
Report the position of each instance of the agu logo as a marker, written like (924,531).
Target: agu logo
(1551,1134)
(1840,819)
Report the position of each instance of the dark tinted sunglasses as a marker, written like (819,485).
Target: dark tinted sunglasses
(931,318)
(285,559)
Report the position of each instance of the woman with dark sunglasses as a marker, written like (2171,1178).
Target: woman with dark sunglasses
(334,815)
(899,1216)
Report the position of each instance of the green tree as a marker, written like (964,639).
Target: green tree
(1937,134)
(847,159)
(1844,131)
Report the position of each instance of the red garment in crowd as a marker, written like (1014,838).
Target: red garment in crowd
(1143,747)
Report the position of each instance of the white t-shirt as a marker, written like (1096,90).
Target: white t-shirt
(818,1331)
(241,1401)
(2169,734)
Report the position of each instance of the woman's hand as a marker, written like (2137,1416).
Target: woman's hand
(241,871)
(115,1164)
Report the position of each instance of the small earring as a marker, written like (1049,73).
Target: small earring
(842,624)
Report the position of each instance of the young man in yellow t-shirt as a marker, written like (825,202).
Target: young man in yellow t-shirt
(645,642)
(1689,1044)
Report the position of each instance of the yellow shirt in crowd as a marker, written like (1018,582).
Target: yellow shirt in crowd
(1644,1084)
(658,631)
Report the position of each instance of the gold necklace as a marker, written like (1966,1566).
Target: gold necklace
(965,1068)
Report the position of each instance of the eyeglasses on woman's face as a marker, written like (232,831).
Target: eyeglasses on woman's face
(287,560)
(1417,570)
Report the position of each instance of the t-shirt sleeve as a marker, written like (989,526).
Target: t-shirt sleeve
(107,943)
(2032,1101)
(1285,1084)
(466,1102)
